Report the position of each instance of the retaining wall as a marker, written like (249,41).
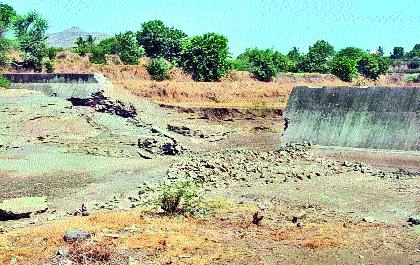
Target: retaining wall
(60,85)
(374,117)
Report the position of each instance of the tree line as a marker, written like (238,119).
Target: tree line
(205,57)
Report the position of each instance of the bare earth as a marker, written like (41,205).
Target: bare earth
(320,205)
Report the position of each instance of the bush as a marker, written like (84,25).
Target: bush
(344,68)
(182,197)
(295,58)
(206,57)
(52,52)
(265,64)
(158,40)
(49,67)
(125,46)
(158,68)
(239,65)
(371,66)
(4,82)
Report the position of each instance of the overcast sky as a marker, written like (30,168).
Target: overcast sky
(278,24)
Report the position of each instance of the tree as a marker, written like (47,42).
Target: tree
(7,15)
(158,40)
(295,58)
(415,52)
(351,52)
(344,68)
(126,47)
(381,51)
(318,57)
(206,57)
(30,31)
(398,53)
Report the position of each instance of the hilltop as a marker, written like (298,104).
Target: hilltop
(67,38)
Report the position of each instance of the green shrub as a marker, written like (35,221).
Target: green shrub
(158,68)
(371,66)
(206,57)
(239,65)
(398,53)
(266,64)
(344,68)
(52,52)
(182,197)
(4,82)
(49,67)
(126,47)
(295,58)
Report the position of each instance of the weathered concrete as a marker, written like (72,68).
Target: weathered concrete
(60,85)
(374,117)
(22,207)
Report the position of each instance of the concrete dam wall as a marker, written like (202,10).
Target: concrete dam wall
(374,117)
(60,85)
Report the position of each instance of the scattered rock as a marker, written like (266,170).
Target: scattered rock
(368,219)
(19,208)
(76,235)
(414,221)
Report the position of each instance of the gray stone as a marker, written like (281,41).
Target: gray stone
(77,235)
(15,209)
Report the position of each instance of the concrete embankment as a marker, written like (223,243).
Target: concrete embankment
(60,85)
(374,117)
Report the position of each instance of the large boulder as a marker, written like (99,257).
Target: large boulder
(15,209)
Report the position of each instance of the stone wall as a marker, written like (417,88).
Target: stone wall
(374,117)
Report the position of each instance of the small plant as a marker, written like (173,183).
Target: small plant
(4,82)
(180,197)
(158,68)
(95,253)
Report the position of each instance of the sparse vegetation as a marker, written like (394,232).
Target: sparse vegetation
(158,68)
(4,82)
(181,197)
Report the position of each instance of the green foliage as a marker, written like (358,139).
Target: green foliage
(125,46)
(415,52)
(84,46)
(49,66)
(158,68)
(158,40)
(206,57)
(344,68)
(371,66)
(52,52)
(398,53)
(412,79)
(295,58)
(181,197)
(30,31)
(238,65)
(351,52)
(381,51)
(4,82)
(99,51)
(317,59)
(7,15)
(266,64)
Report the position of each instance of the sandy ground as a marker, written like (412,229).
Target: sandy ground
(351,206)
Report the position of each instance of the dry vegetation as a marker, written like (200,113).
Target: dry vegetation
(177,239)
(236,90)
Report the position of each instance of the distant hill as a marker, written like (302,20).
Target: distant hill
(67,38)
